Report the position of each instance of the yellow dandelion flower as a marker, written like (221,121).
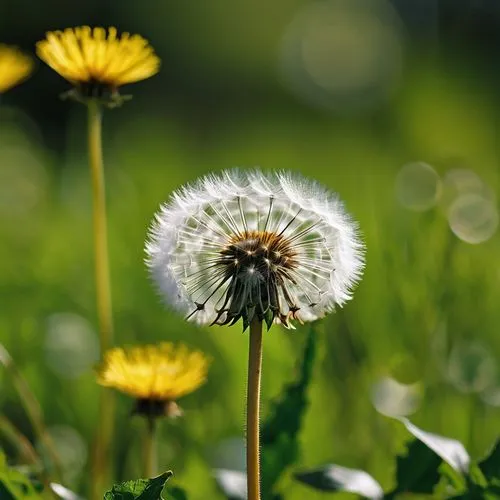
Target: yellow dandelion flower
(15,66)
(153,373)
(97,61)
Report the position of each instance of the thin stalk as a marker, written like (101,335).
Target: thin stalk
(150,454)
(24,448)
(33,410)
(103,287)
(253,409)
(26,452)
(102,444)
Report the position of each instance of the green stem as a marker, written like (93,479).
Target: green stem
(102,444)
(253,409)
(25,451)
(150,455)
(103,287)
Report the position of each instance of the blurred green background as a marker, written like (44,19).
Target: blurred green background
(394,105)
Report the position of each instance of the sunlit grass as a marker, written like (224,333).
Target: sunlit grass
(424,290)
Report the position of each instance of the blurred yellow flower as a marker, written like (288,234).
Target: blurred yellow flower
(15,66)
(163,372)
(94,58)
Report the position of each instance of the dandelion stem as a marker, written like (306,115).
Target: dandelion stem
(253,409)
(150,455)
(103,288)
(102,443)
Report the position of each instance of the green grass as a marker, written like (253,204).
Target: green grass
(424,290)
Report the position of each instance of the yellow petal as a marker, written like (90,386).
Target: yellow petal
(14,67)
(161,372)
(86,55)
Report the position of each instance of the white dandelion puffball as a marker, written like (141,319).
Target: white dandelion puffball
(247,244)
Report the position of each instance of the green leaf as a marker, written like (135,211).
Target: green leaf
(336,478)
(14,485)
(417,471)
(476,493)
(490,465)
(63,493)
(140,489)
(451,451)
(279,434)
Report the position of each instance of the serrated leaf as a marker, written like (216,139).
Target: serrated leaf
(490,465)
(232,483)
(279,434)
(451,451)
(336,478)
(417,471)
(139,489)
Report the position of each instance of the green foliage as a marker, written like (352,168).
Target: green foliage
(14,485)
(424,290)
(490,465)
(139,489)
(451,451)
(63,493)
(419,471)
(279,434)
(334,478)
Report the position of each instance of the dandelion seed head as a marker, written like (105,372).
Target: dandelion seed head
(242,244)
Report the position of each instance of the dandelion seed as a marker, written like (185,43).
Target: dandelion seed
(97,62)
(244,245)
(15,66)
(155,375)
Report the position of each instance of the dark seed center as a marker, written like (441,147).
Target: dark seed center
(258,266)
(263,252)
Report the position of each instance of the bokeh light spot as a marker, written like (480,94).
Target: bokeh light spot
(22,181)
(418,186)
(343,55)
(71,449)
(463,180)
(71,345)
(491,396)
(473,218)
(395,399)
(471,367)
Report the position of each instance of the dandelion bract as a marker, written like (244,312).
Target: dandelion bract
(242,244)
